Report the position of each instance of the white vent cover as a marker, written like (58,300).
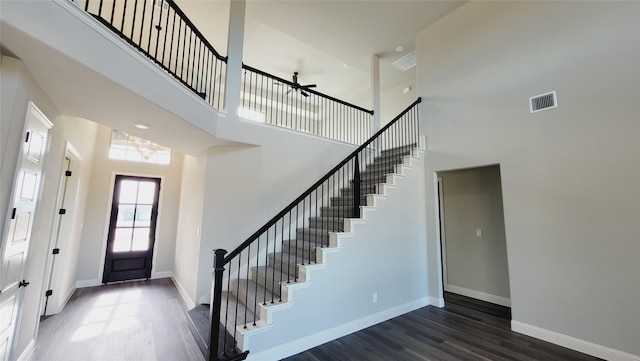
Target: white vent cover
(543,102)
(406,62)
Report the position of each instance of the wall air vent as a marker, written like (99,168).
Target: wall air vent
(406,62)
(543,102)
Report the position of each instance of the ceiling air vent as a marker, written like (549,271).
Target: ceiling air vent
(543,102)
(406,62)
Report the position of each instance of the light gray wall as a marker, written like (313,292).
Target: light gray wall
(570,175)
(94,233)
(247,185)
(188,240)
(18,88)
(387,256)
(475,266)
(394,100)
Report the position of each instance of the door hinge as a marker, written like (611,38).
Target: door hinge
(62,211)
(23,283)
(48,293)
(26,139)
(56,250)
(13,213)
(68,173)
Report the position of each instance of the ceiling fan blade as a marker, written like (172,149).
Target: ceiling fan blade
(303,93)
(289,91)
(309,86)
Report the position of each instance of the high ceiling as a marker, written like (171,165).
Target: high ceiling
(329,42)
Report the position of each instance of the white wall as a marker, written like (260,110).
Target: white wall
(20,87)
(188,240)
(570,175)
(386,256)
(247,185)
(394,100)
(94,233)
(475,266)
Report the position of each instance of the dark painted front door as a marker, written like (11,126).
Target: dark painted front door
(132,229)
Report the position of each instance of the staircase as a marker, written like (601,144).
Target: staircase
(249,300)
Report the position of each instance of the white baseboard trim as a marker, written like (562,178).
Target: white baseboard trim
(28,351)
(437,302)
(164,274)
(88,283)
(573,343)
(305,343)
(478,295)
(183,293)
(67,298)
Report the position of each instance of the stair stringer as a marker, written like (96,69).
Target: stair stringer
(255,338)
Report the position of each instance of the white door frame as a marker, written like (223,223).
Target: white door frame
(57,239)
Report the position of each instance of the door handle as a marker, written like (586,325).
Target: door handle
(23,283)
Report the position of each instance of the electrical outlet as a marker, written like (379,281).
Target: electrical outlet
(478,233)
(374,298)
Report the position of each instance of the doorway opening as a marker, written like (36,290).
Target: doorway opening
(472,234)
(132,228)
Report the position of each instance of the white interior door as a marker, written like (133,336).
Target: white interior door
(15,243)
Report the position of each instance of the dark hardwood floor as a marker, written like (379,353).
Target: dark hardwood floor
(466,329)
(146,321)
(130,321)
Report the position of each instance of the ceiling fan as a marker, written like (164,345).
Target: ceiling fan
(298,87)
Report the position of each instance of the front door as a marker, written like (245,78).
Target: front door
(15,245)
(132,229)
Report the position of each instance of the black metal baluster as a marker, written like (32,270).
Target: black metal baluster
(295,251)
(153,11)
(198,73)
(273,273)
(166,33)
(295,232)
(144,12)
(191,59)
(266,269)
(133,20)
(158,29)
(184,47)
(246,296)
(279,287)
(113,12)
(217,302)
(124,15)
(275,243)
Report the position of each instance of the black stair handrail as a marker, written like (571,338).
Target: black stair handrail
(310,190)
(259,253)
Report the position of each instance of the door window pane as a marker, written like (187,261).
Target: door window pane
(122,240)
(146,192)
(143,216)
(125,215)
(128,191)
(140,239)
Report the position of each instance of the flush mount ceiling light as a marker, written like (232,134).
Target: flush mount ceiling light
(399,49)
(141,126)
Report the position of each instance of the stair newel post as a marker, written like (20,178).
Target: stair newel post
(356,188)
(216,303)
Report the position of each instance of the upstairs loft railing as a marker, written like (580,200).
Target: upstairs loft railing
(276,101)
(236,298)
(160,30)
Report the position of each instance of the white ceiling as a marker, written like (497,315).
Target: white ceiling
(329,42)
